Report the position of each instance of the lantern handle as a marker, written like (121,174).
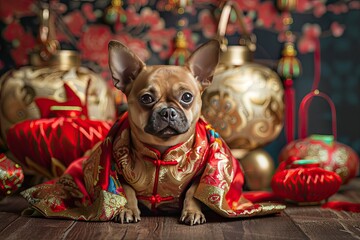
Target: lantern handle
(303,112)
(248,39)
(48,45)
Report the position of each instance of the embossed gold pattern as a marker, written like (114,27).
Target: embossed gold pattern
(244,103)
(91,188)
(138,167)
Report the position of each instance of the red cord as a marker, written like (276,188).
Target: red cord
(317,65)
(303,113)
(289,110)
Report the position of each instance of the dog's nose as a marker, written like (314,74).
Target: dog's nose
(168,114)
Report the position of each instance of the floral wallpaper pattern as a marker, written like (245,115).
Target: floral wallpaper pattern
(149,28)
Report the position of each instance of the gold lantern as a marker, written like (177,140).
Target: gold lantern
(49,69)
(245,101)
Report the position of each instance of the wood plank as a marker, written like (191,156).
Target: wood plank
(13,204)
(276,227)
(160,227)
(7,219)
(317,223)
(150,227)
(296,222)
(348,192)
(269,228)
(35,228)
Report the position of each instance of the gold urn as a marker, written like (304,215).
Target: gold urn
(50,68)
(19,88)
(244,103)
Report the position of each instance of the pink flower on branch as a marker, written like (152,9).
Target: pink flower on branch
(267,14)
(13,31)
(139,2)
(354,5)
(10,9)
(208,23)
(137,45)
(338,8)
(161,41)
(246,5)
(88,11)
(337,29)
(147,17)
(75,22)
(21,41)
(307,42)
(319,8)
(93,44)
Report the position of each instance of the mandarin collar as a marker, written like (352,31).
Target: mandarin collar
(168,155)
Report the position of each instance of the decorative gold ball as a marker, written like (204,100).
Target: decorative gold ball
(258,168)
(245,105)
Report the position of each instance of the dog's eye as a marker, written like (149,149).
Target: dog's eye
(146,99)
(187,98)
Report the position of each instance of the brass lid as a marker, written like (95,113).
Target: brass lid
(63,59)
(236,55)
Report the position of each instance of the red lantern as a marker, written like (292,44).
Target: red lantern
(11,176)
(305,182)
(332,155)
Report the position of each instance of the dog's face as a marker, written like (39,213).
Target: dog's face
(164,102)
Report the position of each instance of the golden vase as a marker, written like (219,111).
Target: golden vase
(245,101)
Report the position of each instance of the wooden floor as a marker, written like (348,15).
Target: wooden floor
(296,222)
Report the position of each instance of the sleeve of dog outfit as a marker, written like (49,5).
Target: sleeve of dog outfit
(220,186)
(88,190)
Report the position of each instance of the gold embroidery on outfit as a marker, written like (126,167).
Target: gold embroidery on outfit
(91,189)
(138,167)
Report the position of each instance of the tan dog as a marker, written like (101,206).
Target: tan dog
(161,154)
(164,105)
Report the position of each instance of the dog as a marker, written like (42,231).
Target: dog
(164,105)
(161,154)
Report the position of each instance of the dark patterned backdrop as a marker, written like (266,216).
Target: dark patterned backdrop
(149,28)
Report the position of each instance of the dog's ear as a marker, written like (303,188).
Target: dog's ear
(124,65)
(203,61)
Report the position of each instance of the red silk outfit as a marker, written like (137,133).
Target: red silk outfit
(90,189)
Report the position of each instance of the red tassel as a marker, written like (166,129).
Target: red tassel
(342,206)
(288,68)
(289,110)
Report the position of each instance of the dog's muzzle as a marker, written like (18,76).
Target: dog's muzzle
(167,122)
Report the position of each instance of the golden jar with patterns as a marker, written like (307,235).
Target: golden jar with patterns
(244,103)
(49,69)
(19,87)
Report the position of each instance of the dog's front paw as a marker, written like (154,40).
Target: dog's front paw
(192,217)
(128,215)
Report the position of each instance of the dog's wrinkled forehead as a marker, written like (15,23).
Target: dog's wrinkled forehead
(170,72)
(172,78)
(165,76)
